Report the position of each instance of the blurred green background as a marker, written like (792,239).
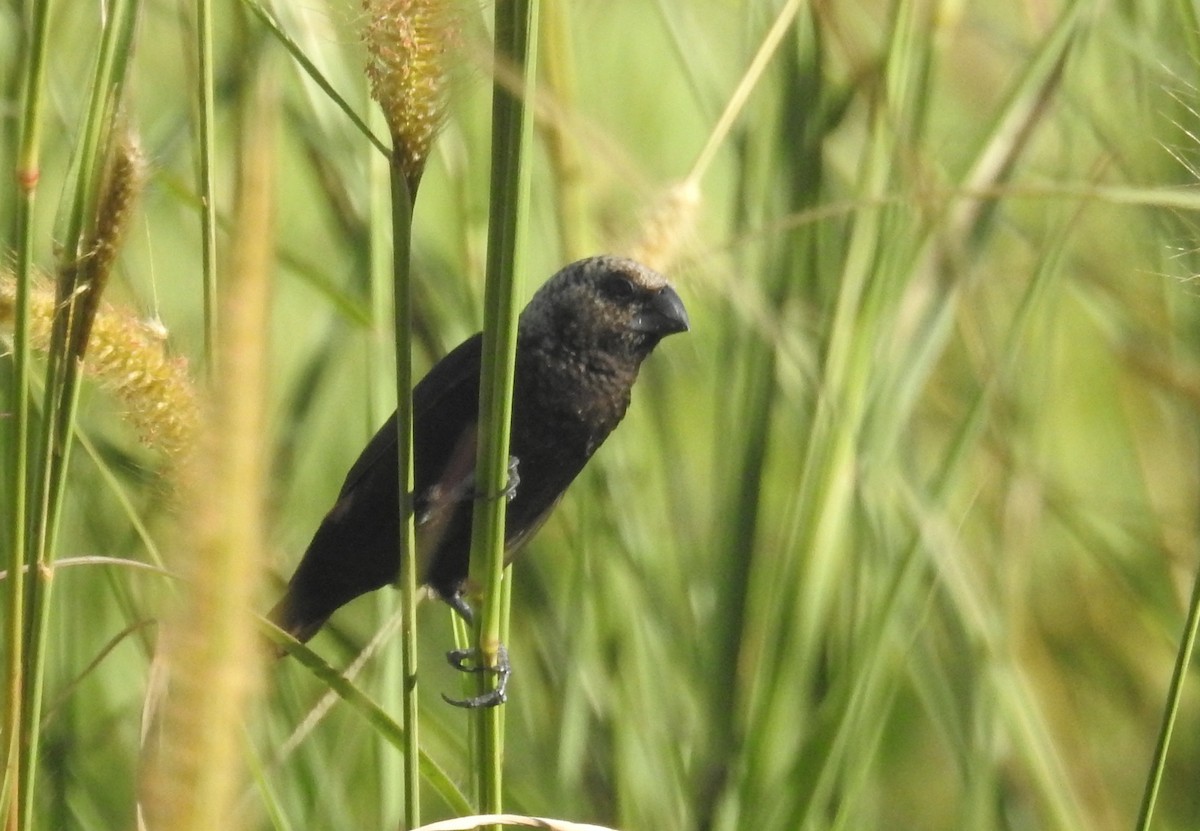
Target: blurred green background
(901,535)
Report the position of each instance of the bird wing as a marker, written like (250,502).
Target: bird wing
(445,402)
(354,550)
(446,415)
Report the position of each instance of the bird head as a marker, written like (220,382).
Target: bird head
(604,306)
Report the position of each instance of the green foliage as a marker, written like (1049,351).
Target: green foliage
(900,535)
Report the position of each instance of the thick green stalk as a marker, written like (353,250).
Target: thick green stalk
(68,345)
(26,178)
(62,385)
(402,203)
(509,199)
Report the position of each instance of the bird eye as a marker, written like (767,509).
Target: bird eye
(617,287)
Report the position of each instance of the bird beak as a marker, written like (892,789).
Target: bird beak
(662,315)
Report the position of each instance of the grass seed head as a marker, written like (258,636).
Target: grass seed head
(408,42)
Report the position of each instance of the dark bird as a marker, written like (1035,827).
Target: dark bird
(580,342)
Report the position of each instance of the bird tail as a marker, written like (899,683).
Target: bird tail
(294,619)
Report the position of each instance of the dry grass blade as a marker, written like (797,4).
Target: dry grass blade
(210,650)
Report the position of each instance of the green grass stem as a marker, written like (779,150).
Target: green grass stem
(1183,661)
(515,33)
(27,175)
(297,52)
(375,715)
(382,392)
(402,206)
(68,343)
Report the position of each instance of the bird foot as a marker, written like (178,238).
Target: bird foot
(458,602)
(510,487)
(467,490)
(514,478)
(469,660)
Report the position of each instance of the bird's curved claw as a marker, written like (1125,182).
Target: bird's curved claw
(467,660)
(458,602)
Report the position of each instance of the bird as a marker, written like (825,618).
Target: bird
(581,340)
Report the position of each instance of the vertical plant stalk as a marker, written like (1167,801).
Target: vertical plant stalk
(407,41)
(26,178)
(402,203)
(103,188)
(515,22)
(208,209)
(382,401)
